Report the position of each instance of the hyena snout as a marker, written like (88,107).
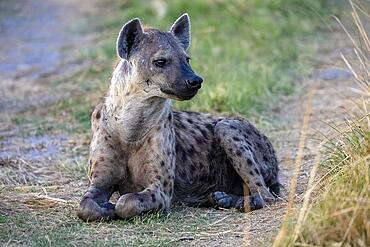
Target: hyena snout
(194,82)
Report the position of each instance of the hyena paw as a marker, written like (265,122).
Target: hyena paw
(128,206)
(89,210)
(255,202)
(221,199)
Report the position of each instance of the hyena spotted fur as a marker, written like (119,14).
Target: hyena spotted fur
(154,156)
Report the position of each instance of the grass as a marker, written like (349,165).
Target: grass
(249,53)
(338,213)
(148,230)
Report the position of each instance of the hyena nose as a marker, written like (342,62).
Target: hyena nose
(195,82)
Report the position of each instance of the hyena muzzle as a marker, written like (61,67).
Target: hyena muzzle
(154,156)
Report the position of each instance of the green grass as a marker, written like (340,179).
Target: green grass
(149,230)
(249,52)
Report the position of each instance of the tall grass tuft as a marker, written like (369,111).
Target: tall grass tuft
(339,213)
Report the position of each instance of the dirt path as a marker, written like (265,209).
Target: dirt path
(39,52)
(43,175)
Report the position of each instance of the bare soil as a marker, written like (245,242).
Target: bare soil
(42,172)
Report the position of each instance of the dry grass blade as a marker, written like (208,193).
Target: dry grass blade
(298,162)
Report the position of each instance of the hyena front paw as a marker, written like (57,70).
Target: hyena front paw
(89,210)
(128,206)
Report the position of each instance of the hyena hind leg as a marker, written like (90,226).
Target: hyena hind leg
(236,138)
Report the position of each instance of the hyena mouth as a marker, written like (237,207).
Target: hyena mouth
(182,96)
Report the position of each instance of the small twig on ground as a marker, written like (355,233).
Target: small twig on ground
(52,199)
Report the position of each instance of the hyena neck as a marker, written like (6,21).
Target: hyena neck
(131,113)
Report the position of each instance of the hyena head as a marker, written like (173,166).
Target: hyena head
(157,61)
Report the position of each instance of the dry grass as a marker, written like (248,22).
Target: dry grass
(338,213)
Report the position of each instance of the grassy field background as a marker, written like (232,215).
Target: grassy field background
(252,54)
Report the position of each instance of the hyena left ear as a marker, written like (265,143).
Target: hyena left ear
(129,35)
(181,30)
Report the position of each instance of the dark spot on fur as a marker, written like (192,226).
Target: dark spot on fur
(201,166)
(192,167)
(190,121)
(153,197)
(204,133)
(141,199)
(101,159)
(209,127)
(98,115)
(256,171)
(165,183)
(162,163)
(191,149)
(203,178)
(259,145)
(251,173)
(249,162)
(149,140)
(184,157)
(232,127)
(158,177)
(237,139)
(238,153)
(180,125)
(198,140)
(259,184)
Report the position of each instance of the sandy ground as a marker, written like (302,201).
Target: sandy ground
(43,51)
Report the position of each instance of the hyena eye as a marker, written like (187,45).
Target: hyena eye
(160,62)
(188,59)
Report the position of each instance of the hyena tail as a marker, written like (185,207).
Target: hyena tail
(272,182)
(275,189)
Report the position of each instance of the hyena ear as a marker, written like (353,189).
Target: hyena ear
(181,30)
(130,34)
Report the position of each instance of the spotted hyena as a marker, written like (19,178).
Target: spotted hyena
(154,156)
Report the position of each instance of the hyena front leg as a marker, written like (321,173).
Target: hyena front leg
(103,173)
(156,176)
(156,196)
(95,204)
(239,151)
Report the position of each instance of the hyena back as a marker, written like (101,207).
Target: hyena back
(154,156)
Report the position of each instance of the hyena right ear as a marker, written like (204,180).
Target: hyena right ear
(128,36)
(181,30)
